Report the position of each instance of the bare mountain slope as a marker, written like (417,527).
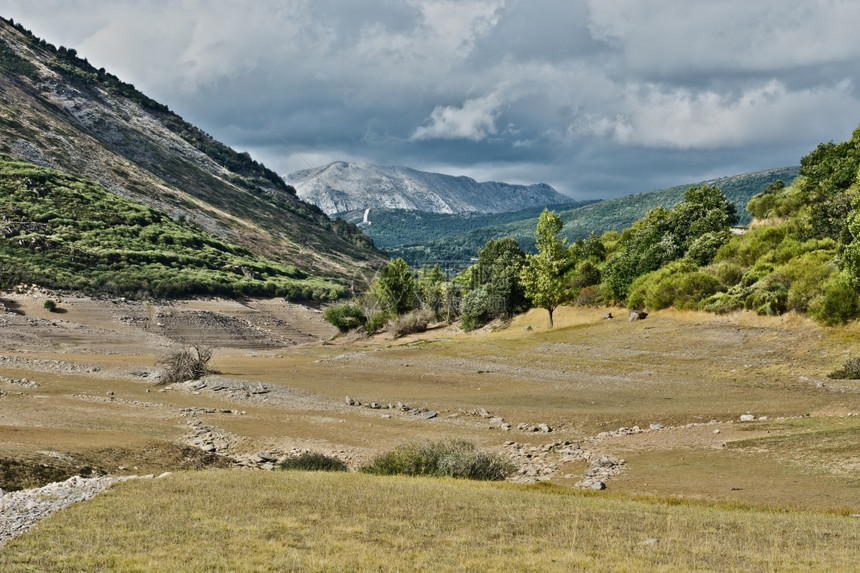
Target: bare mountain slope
(57,110)
(340,187)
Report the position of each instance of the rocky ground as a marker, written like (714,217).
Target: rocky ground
(594,404)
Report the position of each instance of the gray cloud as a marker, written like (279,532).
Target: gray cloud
(596,98)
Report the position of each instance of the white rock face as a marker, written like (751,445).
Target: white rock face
(341,186)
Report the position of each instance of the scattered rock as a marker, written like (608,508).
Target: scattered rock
(651,541)
(747,417)
(634,315)
(598,485)
(656,426)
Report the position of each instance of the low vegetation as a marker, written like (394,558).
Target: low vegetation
(63,232)
(188,364)
(452,458)
(313,462)
(267,521)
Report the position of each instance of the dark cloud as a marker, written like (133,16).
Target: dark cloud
(596,98)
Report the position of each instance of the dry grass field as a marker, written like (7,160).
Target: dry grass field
(683,378)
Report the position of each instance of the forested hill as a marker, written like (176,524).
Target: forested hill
(58,110)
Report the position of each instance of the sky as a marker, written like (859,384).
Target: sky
(598,98)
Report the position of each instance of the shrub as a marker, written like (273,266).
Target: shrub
(450,458)
(476,308)
(412,322)
(188,364)
(837,305)
(50,305)
(345,317)
(849,371)
(729,274)
(704,248)
(679,284)
(722,303)
(313,462)
(375,322)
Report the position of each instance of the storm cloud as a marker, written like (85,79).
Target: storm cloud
(597,98)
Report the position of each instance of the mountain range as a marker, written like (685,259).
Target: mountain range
(343,186)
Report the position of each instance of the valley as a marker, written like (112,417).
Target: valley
(641,391)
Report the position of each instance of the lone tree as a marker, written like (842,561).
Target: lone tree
(543,276)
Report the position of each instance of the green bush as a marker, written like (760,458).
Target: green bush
(704,249)
(50,305)
(678,284)
(375,322)
(838,305)
(476,309)
(345,317)
(313,462)
(722,303)
(451,458)
(729,274)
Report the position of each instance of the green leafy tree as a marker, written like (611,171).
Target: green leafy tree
(543,276)
(431,289)
(665,235)
(397,287)
(498,268)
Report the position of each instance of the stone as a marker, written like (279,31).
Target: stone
(717,431)
(527,328)
(267,456)
(350,401)
(747,417)
(544,428)
(429,415)
(598,485)
(656,426)
(651,541)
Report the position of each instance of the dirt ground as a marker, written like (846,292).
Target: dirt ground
(650,407)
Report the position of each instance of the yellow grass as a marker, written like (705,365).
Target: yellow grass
(297,521)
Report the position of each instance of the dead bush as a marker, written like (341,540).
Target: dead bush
(188,364)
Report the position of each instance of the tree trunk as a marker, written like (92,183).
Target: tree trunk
(550,316)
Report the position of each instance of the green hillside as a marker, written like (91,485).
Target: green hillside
(58,110)
(394,227)
(64,232)
(610,215)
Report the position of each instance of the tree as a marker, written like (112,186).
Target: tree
(498,268)
(397,287)
(543,276)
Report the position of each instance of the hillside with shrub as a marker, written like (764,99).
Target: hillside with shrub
(58,110)
(63,232)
